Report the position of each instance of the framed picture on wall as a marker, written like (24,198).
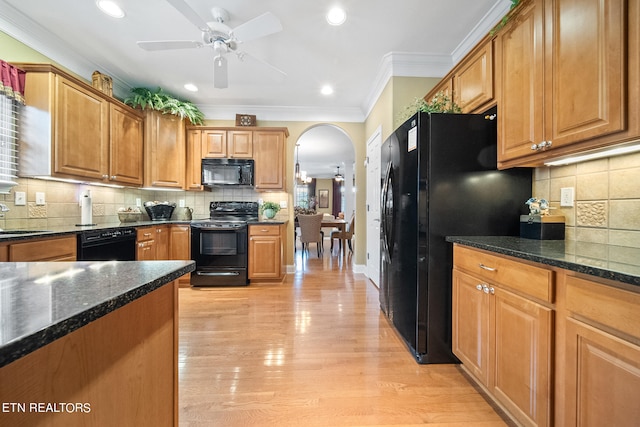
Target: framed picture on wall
(323,199)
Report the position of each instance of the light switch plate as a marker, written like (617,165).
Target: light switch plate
(567,195)
(181,203)
(20,198)
(40,198)
(283,204)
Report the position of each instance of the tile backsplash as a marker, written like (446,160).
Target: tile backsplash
(607,198)
(62,206)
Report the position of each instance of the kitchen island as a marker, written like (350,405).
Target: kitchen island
(89,343)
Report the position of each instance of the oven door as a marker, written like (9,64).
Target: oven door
(220,256)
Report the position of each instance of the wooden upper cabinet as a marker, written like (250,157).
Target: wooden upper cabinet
(268,154)
(126,156)
(520,77)
(588,87)
(214,143)
(71,130)
(237,144)
(193,180)
(473,80)
(240,144)
(165,151)
(81,141)
(566,79)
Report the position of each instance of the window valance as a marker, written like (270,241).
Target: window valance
(12,81)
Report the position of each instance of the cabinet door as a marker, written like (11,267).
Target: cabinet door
(520,75)
(126,155)
(470,321)
(603,378)
(162,241)
(180,247)
(165,154)
(473,82)
(265,257)
(146,251)
(588,70)
(240,144)
(268,148)
(194,160)
(214,144)
(81,132)
(521,378)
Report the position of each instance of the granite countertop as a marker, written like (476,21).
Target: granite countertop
(8,236)
(612,262)
(43,301)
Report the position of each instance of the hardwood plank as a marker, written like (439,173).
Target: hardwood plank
(313,351)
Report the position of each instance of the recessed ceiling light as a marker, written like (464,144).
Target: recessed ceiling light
(336,16)
(110,8)
(326,90)
(191,87)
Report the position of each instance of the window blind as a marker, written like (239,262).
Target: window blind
(9,116)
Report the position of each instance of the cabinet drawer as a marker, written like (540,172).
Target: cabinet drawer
(264,230)
(60,249)
(533,281)
(145,233)
(606,305)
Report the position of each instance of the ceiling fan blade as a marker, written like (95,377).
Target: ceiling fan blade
(260,26)
(274,72)
(168,44)
(190,14)
(220,78)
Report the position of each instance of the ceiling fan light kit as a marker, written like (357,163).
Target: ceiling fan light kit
(220,37)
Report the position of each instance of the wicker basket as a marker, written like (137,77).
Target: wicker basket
(160,212)
(129,216)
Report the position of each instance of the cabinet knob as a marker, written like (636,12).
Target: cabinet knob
(113,177)
(479,287)
(105,176)
(545,144)
(485,289)
(534,147)
(492,291)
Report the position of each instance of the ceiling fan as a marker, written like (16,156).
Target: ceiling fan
(220,37)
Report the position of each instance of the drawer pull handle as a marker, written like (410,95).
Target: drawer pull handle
(484,267)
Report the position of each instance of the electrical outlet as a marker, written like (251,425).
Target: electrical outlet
(567,195)
(283,204)
(181,203)
(40,198)
(20,198)
(138,202)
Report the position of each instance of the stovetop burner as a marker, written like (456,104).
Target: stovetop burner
(229,215)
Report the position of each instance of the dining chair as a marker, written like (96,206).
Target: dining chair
(310,231)
(347,235)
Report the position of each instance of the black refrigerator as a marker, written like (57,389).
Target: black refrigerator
(439,178)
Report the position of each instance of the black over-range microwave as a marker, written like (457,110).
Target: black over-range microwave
(227,172)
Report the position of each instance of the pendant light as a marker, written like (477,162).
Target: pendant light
(297,168)
(338,176)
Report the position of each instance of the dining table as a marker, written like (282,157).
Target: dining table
(341,225)
(338,223)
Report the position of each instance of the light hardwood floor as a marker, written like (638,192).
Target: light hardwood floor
(312,351)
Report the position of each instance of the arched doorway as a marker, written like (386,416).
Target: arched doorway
(324,157)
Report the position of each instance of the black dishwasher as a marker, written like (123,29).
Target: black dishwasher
(113,244)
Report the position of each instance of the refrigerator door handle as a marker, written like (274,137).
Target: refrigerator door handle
(383,201)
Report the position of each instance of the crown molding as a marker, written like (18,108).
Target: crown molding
(488,21)
(283,113)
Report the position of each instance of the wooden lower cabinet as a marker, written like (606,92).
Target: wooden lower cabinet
(602,355)
(265,252)
(46,249)
(503,336)
(145,244)
(180,247)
